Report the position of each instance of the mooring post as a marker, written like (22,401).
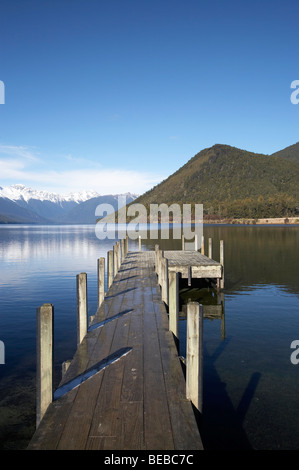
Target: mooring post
(194,355)
(101,281)
(189,276)
(45,359)
(156,258)
(160,257)
(81,306)
(202,245)
(165,280)
(2,353)
(118,255)
(123,248)
(161,276)
(110,268)
(127,245)
(196,242)
(222,263)
(139,241)
(210,248)
(64,366)
(174,303)
(115,261)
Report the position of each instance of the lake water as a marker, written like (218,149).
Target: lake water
(250,384)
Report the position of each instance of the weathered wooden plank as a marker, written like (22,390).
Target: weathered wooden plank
(51,427)
(189,258)
(78,424)
(209,272)
(132,386)
(104,421)
(108,417)
(157,425)
(131,435)
(101,443)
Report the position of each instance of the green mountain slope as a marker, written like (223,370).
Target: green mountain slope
(231,182)
(290,153)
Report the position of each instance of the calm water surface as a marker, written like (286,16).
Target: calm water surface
(251,388)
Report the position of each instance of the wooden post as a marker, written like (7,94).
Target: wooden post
(210,248)
(161,273)
(183,242)
(202,245)
(2,353)
(81,306)
(64,366)
(101,281)
(160,257)
(110,267)
(139,240)
(222,263)
(127,244)
(165,280)
(45,359)
(118,255)
(123,250)
(174,303)
(196,242)
(156,258)
(189,276)
(194,356)
(115,260)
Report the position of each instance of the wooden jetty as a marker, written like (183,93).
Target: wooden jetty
(125,388)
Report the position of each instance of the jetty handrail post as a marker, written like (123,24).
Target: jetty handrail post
(165,292)
(45,360)
(196,242)
(222,263)
(110,268)
(194,355)
(123,250)
(127,244)
(210,248)
(81,306)
(118,255)
(203,245)
(101,280)
(156,258)
(163,278)
(139,242)
(174,303)
(160,257)
(115,261)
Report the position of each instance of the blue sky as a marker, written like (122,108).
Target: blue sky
(115,95)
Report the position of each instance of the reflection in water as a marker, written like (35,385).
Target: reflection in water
(211,300)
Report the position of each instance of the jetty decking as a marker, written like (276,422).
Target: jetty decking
(125,387)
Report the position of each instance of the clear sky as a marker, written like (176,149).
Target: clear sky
(115,95)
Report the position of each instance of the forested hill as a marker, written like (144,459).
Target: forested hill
(290,153)
(231,182)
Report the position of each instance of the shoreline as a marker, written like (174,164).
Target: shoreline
(227,221)
(264,221)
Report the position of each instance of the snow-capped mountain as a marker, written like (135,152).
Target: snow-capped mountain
(18,192)
(22,204)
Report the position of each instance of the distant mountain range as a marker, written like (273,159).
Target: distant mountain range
(234,183)
(20,204)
